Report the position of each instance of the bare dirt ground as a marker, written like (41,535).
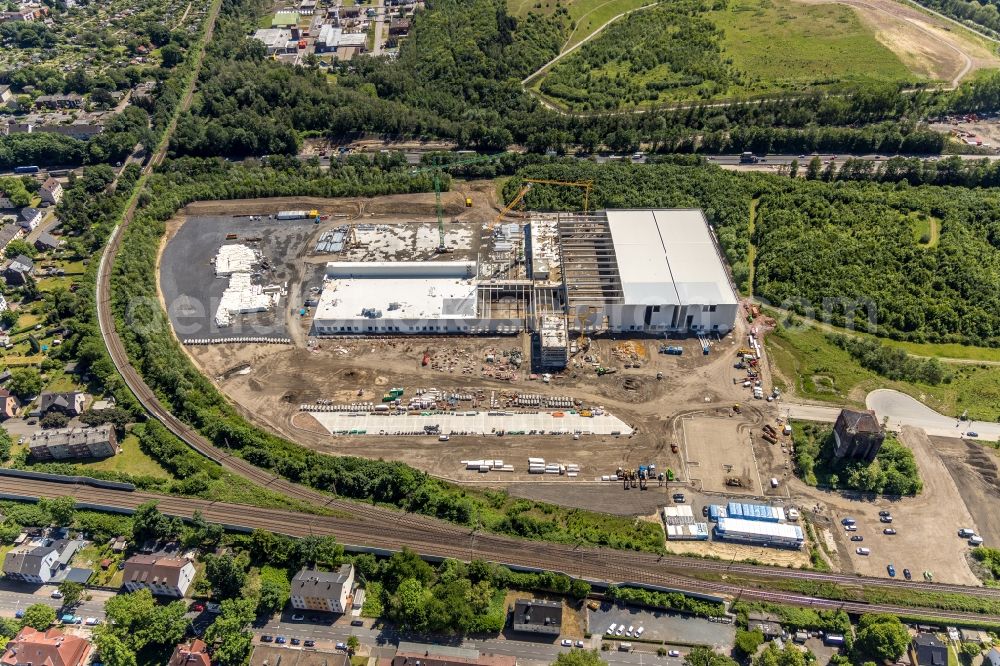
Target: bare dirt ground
(719,450)
(927,44)
(973,466)
(728,551)
(691,405)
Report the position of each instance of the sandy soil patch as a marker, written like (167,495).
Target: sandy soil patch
(927,45)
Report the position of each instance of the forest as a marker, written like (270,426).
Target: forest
(458,77)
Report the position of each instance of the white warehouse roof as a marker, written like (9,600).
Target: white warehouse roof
(400,290)
(668,257)
(739,526)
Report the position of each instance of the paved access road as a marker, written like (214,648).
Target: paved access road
(18,596)
(904,410)
(901,410)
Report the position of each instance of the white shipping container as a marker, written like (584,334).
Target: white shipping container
(540,461)
(507,468)
(498,463)
(536,470)
(483,469)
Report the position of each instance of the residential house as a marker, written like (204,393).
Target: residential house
(46,241)
(70,101)
(19,270)
(411,654)
(69,403)
(8,233)
(857,435)
(928,650)
(30,218)
(325,591)
(193,653)
(8,404)
(992,658)
(165,576)
(22,14)
(5,201)
(63,443)
(536,616)
(51,191)
(39,560)
(399,26)
(6,96)
(46,648)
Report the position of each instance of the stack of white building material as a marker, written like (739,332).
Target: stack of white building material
(235,259)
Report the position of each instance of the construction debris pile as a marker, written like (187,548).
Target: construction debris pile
(243,295)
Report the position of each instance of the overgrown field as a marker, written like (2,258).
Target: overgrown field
(821,370)
(586,16)
(695,49)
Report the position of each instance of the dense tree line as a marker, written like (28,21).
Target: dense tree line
(983,16)
(891,362)
(666,600)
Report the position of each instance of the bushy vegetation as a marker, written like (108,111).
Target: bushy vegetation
(667,600)
(881,638)
(891,362)
(672,50)
(983,16)
(794,618)
(893,472)
(989,559)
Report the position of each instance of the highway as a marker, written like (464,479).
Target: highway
(361,532)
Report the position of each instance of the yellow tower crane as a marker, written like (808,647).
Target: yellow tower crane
(586,185)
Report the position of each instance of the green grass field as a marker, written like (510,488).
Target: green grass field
(787,45)
(767,47)
(926,229)
(823,371)
(131,460)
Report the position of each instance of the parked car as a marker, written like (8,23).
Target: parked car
(357,623)
(906,574)
(92,622)
(884,513)
(851,528)
(631,628)
(857,537)
(848,521)
(197,608)
(56,594)
(309,642)
(673,653)
(280,640)
(19,613)
(298,617)
(620,630)
(266,639)
(567,642)
(579,644)
(611,629)
(679,498)
(638,632)
(890,531)
(863,551)
(886,519)
(295,641)
(972,433)
(341,646)
(891,570)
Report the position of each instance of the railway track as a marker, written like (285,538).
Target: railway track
(594,564)
(363,524)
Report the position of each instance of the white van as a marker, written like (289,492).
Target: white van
(863,551)
(975,540)
(611,629)
(966,532)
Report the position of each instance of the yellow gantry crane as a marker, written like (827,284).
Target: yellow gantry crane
(585,185)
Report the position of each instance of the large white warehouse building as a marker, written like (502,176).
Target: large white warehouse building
(646,271)
(640,271)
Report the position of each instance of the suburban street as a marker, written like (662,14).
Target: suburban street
(18,596)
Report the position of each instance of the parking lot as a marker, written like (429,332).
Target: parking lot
(662,626)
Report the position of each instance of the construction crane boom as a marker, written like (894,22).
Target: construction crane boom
(586,185)
(437,169)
